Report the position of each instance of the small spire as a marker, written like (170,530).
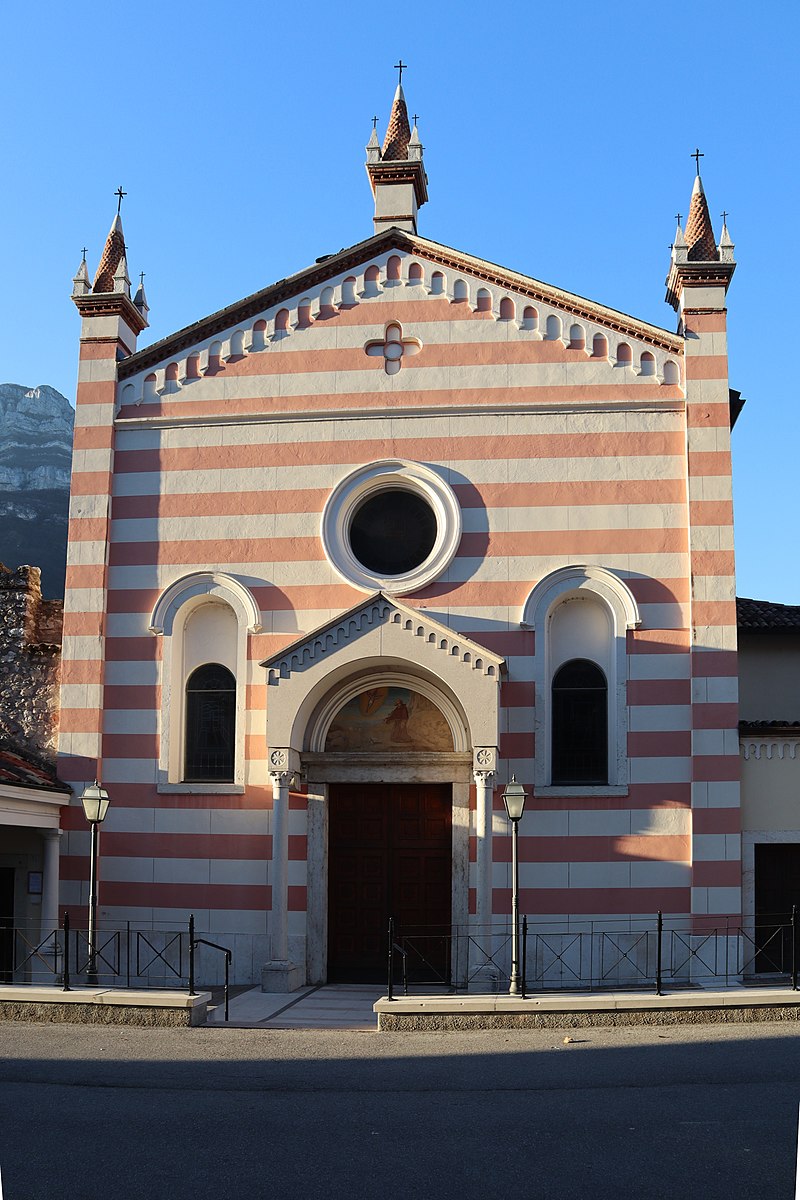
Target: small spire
(113,251)
(398,131)
(725,237)
(122,282)
(414,144)
(699,232)
(140,299)
(81,284)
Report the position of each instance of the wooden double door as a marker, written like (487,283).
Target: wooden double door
(389,854)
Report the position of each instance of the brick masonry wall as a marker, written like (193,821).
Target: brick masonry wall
(30,655)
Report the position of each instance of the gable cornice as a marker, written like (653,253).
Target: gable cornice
(380,609)
(395,239)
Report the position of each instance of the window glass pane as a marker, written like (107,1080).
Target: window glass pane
(210,725)
(580,724)
(392,532)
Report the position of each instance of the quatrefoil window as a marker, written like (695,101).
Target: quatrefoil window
(393,348)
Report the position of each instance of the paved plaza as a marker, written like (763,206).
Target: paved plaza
(342,1006)
(133,1114)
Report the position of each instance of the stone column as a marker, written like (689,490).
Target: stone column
(317,883)
(280,974)
(44,972)
(51,839)
(484,783)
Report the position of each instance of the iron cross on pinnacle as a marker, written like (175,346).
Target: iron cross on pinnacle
(374,122)
(679,217)
(697,156)
(724,216)
(400,66)
(119,192)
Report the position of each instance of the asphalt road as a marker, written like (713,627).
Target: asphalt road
(124,1114)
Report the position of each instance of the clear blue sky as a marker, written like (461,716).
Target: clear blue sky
(557,141)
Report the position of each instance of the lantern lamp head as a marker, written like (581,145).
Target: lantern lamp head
(514,798)
(95,801)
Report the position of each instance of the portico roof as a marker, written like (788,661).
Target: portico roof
(380,636)
(380,609)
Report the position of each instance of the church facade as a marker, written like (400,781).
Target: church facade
(346,555)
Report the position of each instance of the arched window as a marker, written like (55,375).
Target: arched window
(282,321)
(553,328)
(349,291)
(415,273)
(304,313)
(371,277)
(647,364)
(210,725)
(507,311)
(579,724)
(460,291)
(624,355)
(672,373)
(326,304)
(577,337)
(530,317)
(203,615)
(581,615)
(259,339)
(171,378)
(437,283)
(599,346)
(214,358)
(393,268)
(193,366)
(484,298)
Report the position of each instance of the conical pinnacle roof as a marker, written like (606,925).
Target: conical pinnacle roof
(699,233)
(398,131)
(113,253)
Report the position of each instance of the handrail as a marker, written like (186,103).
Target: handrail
(396,948)
(196,941)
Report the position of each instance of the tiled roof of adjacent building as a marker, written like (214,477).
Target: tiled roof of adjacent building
(764,616)
(18,770)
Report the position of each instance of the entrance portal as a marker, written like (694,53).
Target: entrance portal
(777,879)
(389,854)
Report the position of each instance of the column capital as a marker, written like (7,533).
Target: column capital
(484,759)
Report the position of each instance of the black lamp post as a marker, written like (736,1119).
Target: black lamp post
(514,798)
(95,803)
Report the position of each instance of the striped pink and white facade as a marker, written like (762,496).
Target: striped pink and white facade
(571,435)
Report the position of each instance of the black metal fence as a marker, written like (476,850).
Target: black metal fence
(634,953)
(124,957)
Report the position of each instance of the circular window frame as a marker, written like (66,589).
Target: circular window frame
(391,474)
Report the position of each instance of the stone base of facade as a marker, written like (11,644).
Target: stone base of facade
(282,976)
(87,1006)
(453,1014)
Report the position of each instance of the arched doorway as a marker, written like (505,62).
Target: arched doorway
(390,845)
(380,642)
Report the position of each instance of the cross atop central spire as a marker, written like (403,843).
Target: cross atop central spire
(400,66)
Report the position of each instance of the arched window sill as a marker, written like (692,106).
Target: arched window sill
(203,789)
(600,789)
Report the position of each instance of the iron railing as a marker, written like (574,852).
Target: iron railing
(629,954)
(128,956)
